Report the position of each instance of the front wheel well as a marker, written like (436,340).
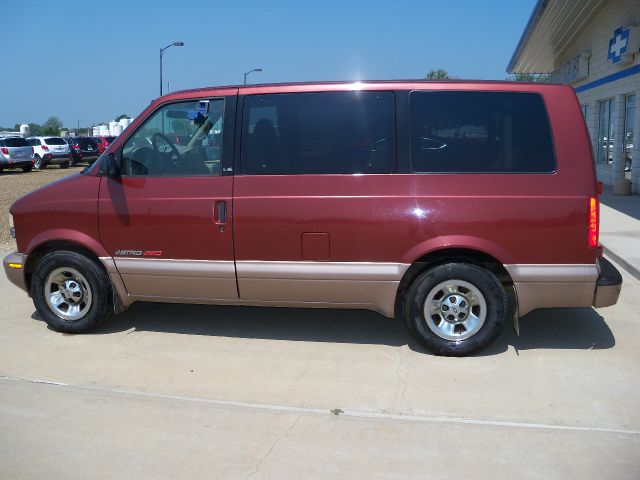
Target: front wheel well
(53,246)
(448,255)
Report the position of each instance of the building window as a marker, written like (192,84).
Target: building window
(629,119)
(605,132)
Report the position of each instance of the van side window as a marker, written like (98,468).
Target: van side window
(492,132)
(318,133)
(179,139)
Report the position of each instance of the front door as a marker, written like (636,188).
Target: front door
(166,219)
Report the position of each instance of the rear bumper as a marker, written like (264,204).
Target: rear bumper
(57,157)
(17,162)
(559,286)
(14,269)
(608,285)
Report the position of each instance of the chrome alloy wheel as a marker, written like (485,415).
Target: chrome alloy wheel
(67,293)
(455,310)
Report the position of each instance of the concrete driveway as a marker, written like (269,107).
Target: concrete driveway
(170,391)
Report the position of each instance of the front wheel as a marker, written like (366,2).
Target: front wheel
(71,292)
(455,309)
(39,163)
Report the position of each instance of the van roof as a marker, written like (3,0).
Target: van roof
(405,84)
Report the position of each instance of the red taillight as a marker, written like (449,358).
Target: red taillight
(76,146)
(594,211)
(45,148)
(4,150)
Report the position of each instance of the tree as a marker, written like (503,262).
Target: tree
(52,126)
(35,129)
(529,77)
(438,74)
(121,116)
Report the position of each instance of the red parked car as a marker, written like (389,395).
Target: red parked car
(455,206)
(103,143)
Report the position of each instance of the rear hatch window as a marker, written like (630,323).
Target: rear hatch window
(15,142)
(86,142)
(54,141)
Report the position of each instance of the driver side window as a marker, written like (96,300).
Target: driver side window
(179,140)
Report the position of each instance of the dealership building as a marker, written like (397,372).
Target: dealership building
(594,46)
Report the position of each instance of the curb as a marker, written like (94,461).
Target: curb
(633,271)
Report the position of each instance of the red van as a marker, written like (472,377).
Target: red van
(456,206)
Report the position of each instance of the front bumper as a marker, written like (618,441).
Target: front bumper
(14,269)
(608,285)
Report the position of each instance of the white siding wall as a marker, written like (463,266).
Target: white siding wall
(595,39)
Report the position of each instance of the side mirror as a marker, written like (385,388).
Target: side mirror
(112,166)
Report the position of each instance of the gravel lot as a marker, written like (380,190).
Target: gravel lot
(14,184)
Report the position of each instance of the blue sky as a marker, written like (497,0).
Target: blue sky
(97,59)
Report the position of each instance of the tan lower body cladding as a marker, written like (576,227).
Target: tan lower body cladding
(364,285)
(553,286)
(370,286)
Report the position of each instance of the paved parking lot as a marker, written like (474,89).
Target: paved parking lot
(170,391)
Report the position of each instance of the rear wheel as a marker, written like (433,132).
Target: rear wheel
(455,309)
(65,164)
(39,163)
(71,293)
(27,168)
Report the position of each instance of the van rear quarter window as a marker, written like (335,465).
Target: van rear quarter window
(318,133)
(480,132)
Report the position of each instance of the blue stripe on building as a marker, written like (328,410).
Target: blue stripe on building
(609,78)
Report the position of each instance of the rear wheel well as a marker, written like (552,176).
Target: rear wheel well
(439,257)
(54,246)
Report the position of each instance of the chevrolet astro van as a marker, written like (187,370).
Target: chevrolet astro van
(456,206)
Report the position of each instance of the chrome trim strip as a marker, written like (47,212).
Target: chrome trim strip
(309,270)
(542,273)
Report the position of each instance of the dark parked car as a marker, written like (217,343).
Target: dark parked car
(83,149)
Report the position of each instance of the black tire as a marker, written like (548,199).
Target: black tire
(97,283)
(65,164)
(27,168)
(464,337)
(39,163)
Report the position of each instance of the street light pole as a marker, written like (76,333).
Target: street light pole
(250,71)
(174,44)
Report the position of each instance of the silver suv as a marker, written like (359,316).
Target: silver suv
(15,152)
